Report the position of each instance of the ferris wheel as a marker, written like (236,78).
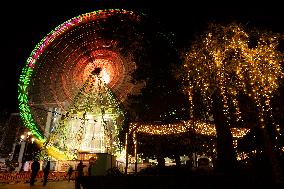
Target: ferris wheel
(74,83)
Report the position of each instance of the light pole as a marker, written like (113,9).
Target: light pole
(26,138)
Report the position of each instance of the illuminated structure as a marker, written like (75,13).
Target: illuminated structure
(91,123)
(58,78)
(196,127)
(182,127)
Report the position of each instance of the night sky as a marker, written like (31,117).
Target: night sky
(25,23)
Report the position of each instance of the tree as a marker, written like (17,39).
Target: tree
(223,64)
(154,60)
(162,98)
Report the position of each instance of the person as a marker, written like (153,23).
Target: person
(69,172)
(85,170)
(80,170)
(91,169)
(35,168)
(46,172)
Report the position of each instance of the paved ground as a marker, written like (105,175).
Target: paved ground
(38,185)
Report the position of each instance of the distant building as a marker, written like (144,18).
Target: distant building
(10,133)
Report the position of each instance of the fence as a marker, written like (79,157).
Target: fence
(24,177)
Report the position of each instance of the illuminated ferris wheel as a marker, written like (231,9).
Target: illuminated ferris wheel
(75,81)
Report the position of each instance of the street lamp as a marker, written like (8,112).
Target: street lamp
(26,138)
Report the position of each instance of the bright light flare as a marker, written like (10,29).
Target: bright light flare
(105,76)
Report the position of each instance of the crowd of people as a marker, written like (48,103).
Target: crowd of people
(82,170)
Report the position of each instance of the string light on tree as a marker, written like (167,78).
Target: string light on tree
(224,59)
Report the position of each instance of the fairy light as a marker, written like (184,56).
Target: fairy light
(239,132)
(223,60)
(199,127)
(242,156)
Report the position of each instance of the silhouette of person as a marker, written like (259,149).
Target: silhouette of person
(69,172)
(35,168)
(91,169)
(80,170)
(46,172)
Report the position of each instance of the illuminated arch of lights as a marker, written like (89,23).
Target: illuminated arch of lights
(198,127)
(158,129)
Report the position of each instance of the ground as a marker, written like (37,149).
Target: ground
(38,185)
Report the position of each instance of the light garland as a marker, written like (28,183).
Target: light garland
(198,127)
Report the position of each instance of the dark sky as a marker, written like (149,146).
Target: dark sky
(25,23)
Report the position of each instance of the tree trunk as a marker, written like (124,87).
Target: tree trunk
(177,160)
(161,160)
(160,157)
(226,159)
(274,171)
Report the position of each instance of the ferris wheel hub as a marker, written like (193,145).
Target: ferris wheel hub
(97,71)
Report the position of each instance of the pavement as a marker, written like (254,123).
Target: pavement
(38,185)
